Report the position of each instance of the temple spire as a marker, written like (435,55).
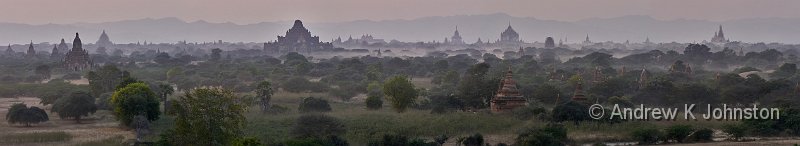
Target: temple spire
(77,44)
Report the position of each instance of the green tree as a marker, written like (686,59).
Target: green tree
(208,117)
(104,79)
(77,105)
(786,70)
(21,113)
(400,92)
(374,96)
(475,89)
(312,104)
(264,93)
(135,99)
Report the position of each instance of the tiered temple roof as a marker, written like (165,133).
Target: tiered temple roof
(507,97)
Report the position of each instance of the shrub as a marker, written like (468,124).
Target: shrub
(647,135)
(703,135)
(312,104)
(316,126)
(550,135)
(678,133)
(736,131)
(374,102)
(474,140)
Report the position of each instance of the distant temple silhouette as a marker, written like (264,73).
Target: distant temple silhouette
(78,58)
(297,39)
(719,37)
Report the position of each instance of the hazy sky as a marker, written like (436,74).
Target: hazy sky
(252,11)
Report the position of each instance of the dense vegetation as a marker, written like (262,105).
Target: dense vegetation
(195,90)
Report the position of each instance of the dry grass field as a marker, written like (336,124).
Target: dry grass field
(100,126)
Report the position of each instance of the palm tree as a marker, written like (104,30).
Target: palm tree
(165,90)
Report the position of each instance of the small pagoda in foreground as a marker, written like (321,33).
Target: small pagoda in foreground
(507,97)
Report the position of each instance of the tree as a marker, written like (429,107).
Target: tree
(164,90)
(317,126)
(697,54)
(104,79)
(77,105)
(264,92)
(20,113)
(207,117)
(135,99)
(474,89)
(43,71)
(400,92)
(374,96)
(570,111)
(546,93)
(312,104)
(786,70)
(216,54)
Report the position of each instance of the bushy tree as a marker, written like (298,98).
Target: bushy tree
(43,71)
(313,104)
(475,89)
(647,135)
(570,111)
(678,132)
(264,94)
(473,140)
(207,117)
(76,105)
(135,99)
(400,92)
(22,114)
(374,96)
(104,79)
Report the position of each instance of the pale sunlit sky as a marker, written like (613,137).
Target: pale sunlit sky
(254,11)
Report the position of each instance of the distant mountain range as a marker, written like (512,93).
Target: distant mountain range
(487,27)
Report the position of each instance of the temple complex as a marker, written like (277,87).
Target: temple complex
(77,59)
(31,51)
(297,39)
(719,37)
(456,38)
(509,36)
(104,41)
(507,97)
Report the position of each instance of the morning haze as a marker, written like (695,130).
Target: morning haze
(403,20)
